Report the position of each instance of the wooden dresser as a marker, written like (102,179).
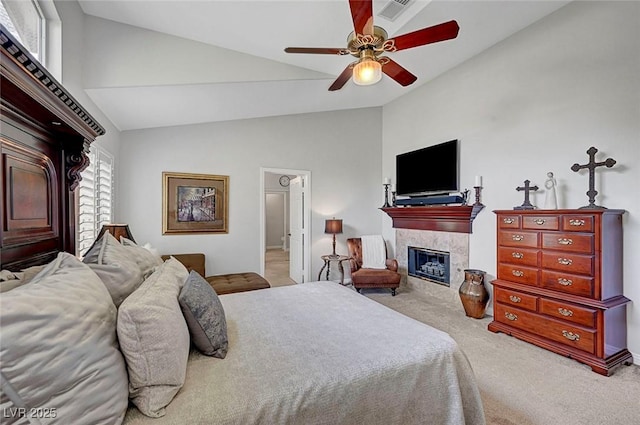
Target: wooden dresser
(559,283)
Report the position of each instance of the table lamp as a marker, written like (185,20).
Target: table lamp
(333,226)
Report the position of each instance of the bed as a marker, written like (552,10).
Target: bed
(305,354)
(319,353)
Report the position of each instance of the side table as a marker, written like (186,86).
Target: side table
(327,265)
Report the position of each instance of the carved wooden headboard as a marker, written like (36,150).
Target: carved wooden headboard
(45,135)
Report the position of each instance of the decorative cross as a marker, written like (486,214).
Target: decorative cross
(526,205)
(609,162)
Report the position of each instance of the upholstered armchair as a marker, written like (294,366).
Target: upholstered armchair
(371,278)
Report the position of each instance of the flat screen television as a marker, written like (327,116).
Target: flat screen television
(428,171)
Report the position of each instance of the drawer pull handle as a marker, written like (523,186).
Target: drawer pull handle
(574,222)
(515,299)
(517,237)
(565,312)
(517,255)
(510,316)
(539,221)
(565,282)
(508,220)
(571,336)
(565,241)
(517,273)
(565,261)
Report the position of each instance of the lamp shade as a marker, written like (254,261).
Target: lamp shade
(333,226)
(116,231)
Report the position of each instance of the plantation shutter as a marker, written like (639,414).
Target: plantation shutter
(95,198)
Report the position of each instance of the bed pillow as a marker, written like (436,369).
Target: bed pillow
(143,257)
(205,318)
(59,349)
(115,267)
(154,339)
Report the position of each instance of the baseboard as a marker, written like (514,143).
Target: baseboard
(636,358)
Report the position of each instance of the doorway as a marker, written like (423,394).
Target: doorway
(285,217)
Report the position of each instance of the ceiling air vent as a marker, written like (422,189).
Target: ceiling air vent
(394,8)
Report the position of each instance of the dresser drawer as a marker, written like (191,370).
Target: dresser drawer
(568,242)
(517,238)
(568,283)
(515,298)
(525,257)
(509,222)
(555,330)
(570,263)
(577,223)
(513,273)
(550,222)
(567,311)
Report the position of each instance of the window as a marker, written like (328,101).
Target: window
(25,20)
(95,198)
(36,25)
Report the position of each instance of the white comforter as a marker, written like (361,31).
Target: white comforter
(319,353)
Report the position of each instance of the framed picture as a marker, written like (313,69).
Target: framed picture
(194,203)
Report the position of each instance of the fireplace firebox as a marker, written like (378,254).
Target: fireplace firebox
(429,264)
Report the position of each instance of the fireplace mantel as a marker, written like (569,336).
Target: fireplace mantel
(440,218)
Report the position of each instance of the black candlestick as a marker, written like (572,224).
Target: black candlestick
(478,189)
(386,196)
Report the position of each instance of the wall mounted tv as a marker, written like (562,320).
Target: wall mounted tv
(428,171)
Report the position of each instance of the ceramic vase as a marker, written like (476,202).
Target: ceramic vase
(474,294)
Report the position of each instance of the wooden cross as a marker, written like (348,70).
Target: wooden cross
(592,192)
(526,205)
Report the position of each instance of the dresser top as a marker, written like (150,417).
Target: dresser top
(563,211)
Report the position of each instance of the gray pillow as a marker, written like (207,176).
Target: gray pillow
(204,314)
(59,349)
(115,266)
(143,257)
(154,339)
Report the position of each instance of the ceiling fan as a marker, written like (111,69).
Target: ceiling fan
(368,42)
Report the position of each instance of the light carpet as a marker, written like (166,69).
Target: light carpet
(520,383)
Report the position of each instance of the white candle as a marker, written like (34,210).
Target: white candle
(387,180)
(478,181)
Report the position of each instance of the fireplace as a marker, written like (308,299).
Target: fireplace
(454,243)
(429,264)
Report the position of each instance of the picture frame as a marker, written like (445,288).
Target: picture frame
(194,203)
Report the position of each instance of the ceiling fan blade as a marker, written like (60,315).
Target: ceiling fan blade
(362,15)
(398,73)
(343,78)
(440,32)
(317,50)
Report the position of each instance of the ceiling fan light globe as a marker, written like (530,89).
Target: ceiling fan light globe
(367,72)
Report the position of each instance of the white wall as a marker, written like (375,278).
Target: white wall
(73,46)
(344,160)
(535,103)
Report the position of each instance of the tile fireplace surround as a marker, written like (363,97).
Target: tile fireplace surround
(457,244)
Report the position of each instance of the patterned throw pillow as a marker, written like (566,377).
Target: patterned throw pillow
(205,318)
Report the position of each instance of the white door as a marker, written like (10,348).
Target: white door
(297,229)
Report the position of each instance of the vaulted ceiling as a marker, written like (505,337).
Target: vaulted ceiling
(155,63)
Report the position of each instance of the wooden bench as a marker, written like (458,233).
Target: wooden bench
(223,283)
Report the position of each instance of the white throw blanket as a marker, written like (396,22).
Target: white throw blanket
(374,254)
